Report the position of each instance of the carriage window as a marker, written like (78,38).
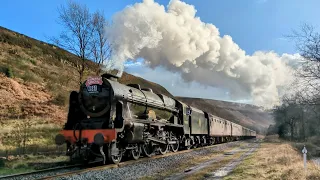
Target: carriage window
(188,111)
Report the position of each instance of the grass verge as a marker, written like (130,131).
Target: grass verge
(274,160)
(29,163)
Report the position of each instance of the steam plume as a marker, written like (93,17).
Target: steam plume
(179,41)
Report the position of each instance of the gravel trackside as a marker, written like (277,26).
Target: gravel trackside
(151,166)
(225,170)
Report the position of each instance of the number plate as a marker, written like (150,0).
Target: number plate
(93,89)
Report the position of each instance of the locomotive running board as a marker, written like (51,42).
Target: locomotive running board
(161,141)
(154,122)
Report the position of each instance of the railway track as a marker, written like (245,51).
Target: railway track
(121,164)
(76,167)
(20,175)
(53,173)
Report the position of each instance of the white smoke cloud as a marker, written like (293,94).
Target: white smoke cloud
(179,41)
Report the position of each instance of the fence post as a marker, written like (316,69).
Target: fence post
(304,152)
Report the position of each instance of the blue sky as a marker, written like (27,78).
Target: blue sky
(253,24)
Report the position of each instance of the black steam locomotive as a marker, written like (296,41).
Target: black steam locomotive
(111,120)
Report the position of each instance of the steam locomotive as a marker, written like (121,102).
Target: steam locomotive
(111,121)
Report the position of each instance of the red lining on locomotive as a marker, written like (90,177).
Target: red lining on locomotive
(109,134)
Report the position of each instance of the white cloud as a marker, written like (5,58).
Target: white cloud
(178,87)
(190,50)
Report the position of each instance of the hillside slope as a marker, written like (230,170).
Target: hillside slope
(39,77)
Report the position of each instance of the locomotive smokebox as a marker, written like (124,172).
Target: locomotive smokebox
(110,76)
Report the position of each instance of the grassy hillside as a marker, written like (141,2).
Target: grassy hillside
(37,78)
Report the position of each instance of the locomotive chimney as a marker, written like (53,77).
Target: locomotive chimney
(110,76)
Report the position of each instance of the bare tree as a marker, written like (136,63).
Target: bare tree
(299,114)
(77,35)
(288,114)
(101,49)
(308,44)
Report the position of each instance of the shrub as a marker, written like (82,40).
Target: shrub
(19,64)
(315,140)
(53,88)
(3,70)
(60,99)
(30,77)
(2,164)
(7,71)
(12,51)
(34,62)
(20,166)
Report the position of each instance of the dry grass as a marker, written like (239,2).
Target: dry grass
(260,136)
(30,163)
(24,100)
(39,139)
(273,139)
(40,132)
(275,161)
